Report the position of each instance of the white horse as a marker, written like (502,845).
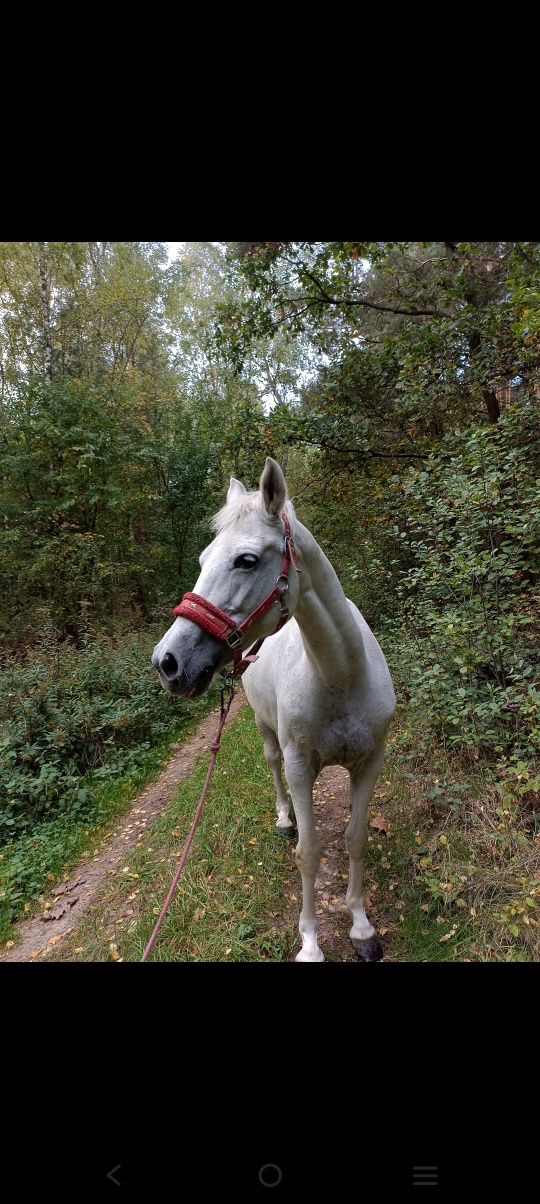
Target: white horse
(320,689)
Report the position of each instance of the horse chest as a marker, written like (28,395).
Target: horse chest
(335,738)
(345,740)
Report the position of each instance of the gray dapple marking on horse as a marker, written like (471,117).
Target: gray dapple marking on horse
(321,689)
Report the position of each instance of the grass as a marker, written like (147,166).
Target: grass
(31,864)
(226,907)
(455,878)
(463,868)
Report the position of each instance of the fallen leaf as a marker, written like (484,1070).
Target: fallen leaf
(79,949)
(53,940)
(10,944)
(74,882)
(114,952)
(450,934)
(383,931)
(380,824)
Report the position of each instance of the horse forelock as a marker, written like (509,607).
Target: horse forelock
(242,505)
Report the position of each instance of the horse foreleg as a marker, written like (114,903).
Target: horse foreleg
(300,777)
(362,933)
(273,757)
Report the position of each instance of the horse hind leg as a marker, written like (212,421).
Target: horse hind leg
(362,933)
(274,757)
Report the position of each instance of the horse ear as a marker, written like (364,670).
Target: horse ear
(273,488)
(234,488)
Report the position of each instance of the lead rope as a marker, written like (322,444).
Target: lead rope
(214,748)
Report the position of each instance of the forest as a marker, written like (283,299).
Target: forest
(398,385)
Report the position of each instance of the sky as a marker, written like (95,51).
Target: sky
(173,249)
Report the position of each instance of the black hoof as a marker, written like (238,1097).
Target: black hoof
(288,833)
(370,950)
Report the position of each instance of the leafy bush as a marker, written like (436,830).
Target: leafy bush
(467,652)
(74,717)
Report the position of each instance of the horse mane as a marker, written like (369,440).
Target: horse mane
(242,504)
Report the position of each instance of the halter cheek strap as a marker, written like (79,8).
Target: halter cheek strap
(218,623)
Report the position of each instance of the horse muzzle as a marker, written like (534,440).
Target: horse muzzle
(182,682)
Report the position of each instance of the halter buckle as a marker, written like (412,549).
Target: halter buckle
(233,639)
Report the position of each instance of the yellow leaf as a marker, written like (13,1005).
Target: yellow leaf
(227,951)
(114,952)
(252,841)
(450,934)
(10,944)
(80,949)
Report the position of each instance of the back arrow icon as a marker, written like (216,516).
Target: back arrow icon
(110,1175)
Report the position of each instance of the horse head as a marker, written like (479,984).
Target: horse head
(239,569)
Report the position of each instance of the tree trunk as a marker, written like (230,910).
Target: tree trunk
(488,396)
(46,313)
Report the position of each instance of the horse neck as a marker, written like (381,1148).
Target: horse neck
(330,633)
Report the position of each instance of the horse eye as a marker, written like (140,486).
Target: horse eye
(248,561)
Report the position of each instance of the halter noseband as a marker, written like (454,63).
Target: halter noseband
(220,624)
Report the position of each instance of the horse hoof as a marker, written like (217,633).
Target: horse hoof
(311,956)
(289,832)
(370,950)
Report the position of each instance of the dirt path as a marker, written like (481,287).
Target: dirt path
(71,899)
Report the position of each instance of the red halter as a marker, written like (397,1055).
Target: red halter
(220,624)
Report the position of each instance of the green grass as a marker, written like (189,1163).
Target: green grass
(30,865)
(457,876)
(233,881)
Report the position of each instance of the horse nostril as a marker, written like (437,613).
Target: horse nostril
(169,665)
